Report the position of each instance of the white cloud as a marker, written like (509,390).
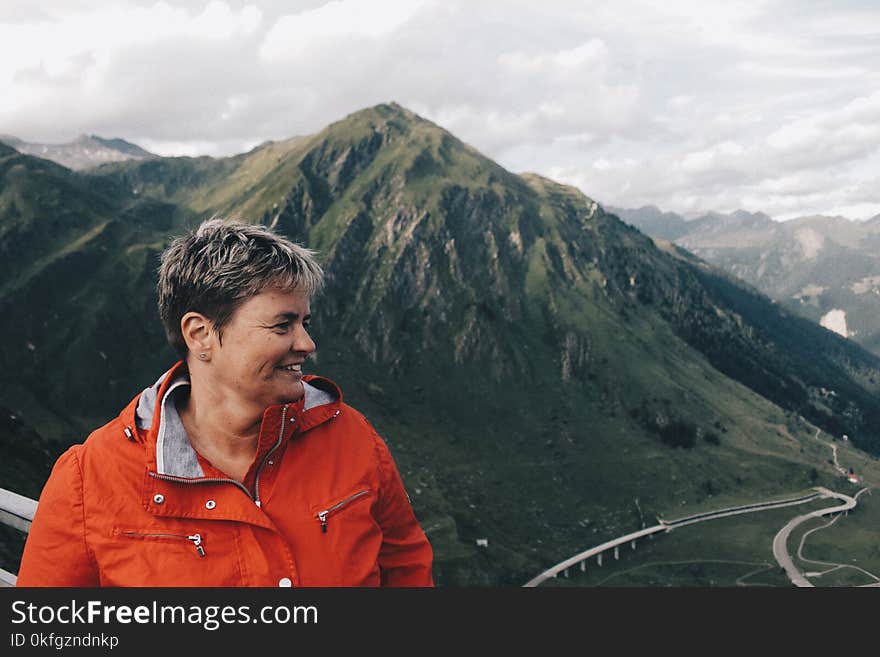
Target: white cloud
(55,45)
(679,102)
(713,158)
(193,148)
(804,72)
(590,55)
(831,136)
(762,104)
(295,34)
(64,72)
(795,135)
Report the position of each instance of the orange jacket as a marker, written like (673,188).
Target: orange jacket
(136,506)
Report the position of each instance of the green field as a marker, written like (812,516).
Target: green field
(731,551)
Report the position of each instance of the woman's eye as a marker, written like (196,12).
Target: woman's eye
(282,327)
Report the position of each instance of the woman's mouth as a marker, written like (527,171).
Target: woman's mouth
(292,367)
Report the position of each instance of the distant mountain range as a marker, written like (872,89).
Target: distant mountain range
(546,376)
(824,268)
(84,152)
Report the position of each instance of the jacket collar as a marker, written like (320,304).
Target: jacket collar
(171,451)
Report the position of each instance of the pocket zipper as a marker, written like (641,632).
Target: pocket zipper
(195,538)
(322,515)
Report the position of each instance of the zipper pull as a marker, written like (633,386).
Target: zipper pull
(323,518)
(197,541)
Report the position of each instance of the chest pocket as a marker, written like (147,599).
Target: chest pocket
(345,540)
(336,508)
(168,538)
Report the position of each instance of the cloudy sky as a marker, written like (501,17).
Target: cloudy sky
(689,105)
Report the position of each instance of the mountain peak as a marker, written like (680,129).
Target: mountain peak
(758,217)
(391,115)
(84,152)
(821,219)
(715,221)
(393,109)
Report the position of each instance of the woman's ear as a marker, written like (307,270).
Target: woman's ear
(197,333)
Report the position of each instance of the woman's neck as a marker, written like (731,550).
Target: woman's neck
(224,431)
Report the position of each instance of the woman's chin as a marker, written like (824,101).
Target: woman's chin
(293,392)
(283,389)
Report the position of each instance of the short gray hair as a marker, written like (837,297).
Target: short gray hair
(217,267)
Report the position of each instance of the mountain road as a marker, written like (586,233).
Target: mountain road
(780,549)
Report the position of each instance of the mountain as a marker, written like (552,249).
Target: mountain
(74,273)
(653,221)
(545,375)
(824,268)
(84,152)
(670,226)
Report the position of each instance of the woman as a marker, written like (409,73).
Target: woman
(234,468)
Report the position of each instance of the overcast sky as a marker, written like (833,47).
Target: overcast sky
(691,105)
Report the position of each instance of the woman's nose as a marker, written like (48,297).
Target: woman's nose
(303,342)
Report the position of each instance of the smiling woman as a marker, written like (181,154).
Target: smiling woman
(227,470)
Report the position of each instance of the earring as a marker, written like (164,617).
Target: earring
(203,355)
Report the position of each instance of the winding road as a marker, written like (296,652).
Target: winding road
(780,541)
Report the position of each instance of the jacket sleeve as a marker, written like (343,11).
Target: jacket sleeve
(56,552)
(406,557)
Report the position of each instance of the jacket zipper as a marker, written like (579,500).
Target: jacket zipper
(266,458)
(322,515)
(195,538)
(219,480)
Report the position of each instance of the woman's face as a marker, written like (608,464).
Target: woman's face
(263,348)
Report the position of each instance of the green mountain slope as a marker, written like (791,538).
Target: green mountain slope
(77,270)
(546,377)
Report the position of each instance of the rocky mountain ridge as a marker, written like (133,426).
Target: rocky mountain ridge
(84,152)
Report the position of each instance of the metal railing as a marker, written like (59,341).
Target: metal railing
(16,511)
